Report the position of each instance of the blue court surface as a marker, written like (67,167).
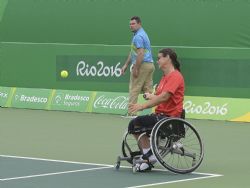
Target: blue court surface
(25,172)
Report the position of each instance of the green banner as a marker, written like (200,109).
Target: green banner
(112,103)
(91,68)
(70,100)
(217,108)
(31,98)
(4,95)
(231,109)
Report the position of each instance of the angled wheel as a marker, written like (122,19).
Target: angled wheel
(130,147)
(177,145)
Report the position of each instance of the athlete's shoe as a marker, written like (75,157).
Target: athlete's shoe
(144,167)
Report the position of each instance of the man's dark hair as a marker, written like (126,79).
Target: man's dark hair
(136,18)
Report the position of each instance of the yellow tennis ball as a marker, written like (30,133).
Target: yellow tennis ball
(64,74)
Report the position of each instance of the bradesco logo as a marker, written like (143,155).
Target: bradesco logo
(70,100)
(206,108)
(31,99)
(119,102)
(3,95)
(98,70)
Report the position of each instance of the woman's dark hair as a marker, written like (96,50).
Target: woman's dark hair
(173,57)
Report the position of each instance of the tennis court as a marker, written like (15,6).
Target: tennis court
(25,172)
(90,40)
(70,149)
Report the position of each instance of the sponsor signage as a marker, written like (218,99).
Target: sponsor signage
(31,98)
(70,100)
(216,108)
(91,68)
(113,103)
(4,94)
(231,109)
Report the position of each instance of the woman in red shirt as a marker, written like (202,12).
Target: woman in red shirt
(168,100)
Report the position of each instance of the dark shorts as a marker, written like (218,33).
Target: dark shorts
(144,123)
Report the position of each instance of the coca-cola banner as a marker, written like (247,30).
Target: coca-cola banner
(108,102)
(231,109)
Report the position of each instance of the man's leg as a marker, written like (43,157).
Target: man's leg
(148,84)
(136,86)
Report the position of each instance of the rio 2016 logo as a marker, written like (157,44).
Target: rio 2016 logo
(206,108)
(99,70)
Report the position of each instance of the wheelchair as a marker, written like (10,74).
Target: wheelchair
(176,144)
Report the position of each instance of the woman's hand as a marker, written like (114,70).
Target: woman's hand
(148,96)
(133,108)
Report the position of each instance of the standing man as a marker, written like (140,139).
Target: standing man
(141,77)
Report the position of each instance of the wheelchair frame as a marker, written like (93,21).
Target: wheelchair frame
(175,143)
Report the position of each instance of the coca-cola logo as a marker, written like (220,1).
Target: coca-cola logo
(119,102)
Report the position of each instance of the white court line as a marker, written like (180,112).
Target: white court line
(54,173)
(208,175)
(198,173)
(175,181)
(97,164)
(121,45)
(53,160)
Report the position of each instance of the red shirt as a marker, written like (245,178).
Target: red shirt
(172,83)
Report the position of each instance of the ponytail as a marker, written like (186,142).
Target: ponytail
(177,65)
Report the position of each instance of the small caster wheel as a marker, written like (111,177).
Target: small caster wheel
(134,169)
(117,166)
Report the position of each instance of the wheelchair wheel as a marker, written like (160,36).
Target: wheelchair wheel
(130,147)
(177,145)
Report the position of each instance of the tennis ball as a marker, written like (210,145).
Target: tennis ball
(64,74)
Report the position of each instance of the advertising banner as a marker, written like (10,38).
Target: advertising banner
(31,98)
(91,68)
(69,100)
(112,103)
(231,109)
(217,108)
(4,95)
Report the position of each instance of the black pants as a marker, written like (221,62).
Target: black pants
(144,123)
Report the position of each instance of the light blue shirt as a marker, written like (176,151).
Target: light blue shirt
(141,40)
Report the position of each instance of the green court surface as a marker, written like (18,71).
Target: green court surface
(68,149)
